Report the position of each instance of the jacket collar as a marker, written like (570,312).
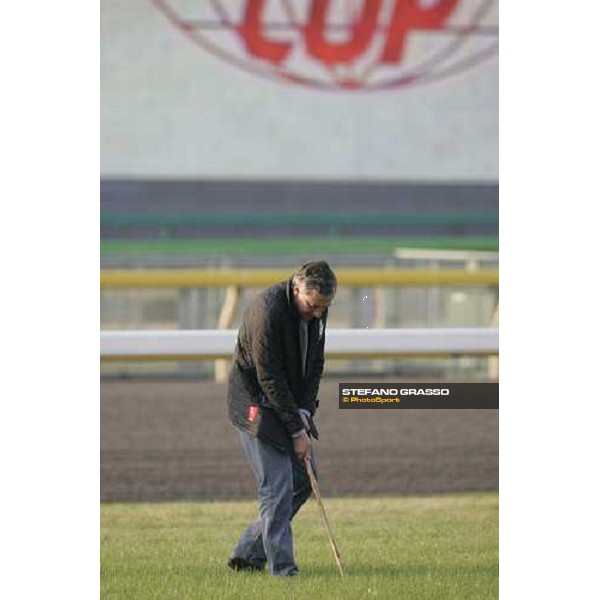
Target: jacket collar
(290,298)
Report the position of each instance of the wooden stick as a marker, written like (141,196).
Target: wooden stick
(336,551)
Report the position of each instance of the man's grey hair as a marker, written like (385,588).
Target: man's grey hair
(315,275)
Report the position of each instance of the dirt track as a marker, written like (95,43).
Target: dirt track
(170,440)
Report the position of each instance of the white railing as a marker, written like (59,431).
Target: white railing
(340,343)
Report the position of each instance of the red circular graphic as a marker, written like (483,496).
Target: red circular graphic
(347,45)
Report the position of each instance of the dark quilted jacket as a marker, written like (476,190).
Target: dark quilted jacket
(266,386)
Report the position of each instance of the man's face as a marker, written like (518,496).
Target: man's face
(311,304)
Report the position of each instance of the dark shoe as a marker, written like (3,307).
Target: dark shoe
(237,563)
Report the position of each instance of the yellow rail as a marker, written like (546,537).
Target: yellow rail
(143,358)
(211,278)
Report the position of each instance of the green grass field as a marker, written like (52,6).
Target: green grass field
(288,245)
(402,547)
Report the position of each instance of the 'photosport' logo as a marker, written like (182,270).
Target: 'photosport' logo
(342,44)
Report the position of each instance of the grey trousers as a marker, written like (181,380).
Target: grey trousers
(283,487)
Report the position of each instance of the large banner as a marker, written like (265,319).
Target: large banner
(392,90)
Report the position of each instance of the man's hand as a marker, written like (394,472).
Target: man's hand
(302,446)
